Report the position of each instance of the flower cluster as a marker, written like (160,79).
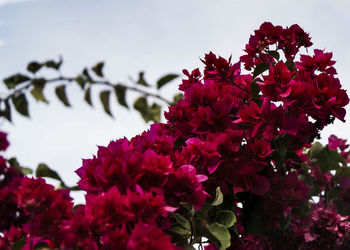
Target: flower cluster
(233,163)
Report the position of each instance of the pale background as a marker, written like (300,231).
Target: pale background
(157,36)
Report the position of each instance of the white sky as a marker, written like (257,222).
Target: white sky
(153,35)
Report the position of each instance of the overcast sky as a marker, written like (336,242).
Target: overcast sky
(157,36)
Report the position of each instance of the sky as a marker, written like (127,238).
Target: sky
(156,36)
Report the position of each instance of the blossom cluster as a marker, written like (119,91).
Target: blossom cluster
(244,135)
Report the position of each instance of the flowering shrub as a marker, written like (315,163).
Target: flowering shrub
(233,167)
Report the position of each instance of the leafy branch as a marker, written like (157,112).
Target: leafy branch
(20,84)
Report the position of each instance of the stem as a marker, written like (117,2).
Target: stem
(71,79)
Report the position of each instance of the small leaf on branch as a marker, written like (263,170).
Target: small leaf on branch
(54,65)
(182,221)
(34,67)
(74,188)
(342,172)
(180,231)
(81,81)
(104,97)
(315,149)
(27,171)
(274,54)
(15,164)
(14,80)
(97,69)
(221,234)
(177,98)
(199,229)
(219,198)
(87,75)
(327,159)
(120,92)
(141,79)
(37,93)
(61,94)
(21,104)
(148,113)
(44,171)
(155,112)
(291,65)
(226,218)
(87,96)
(166,79)
(254,89)
(260,68)
(6,112)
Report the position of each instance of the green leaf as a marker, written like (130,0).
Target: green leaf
(27,171)
(315,149)
(219,197)
(21,104)
(177,98)
(74,188)
(15,164)
(44,171)
(221,234)
(254,89)
(141,79)
(199,229)
(328,159)
(97,69)
(274,54)
(104,97)
(166,79)
(12,81)
(342,172)
(148,113)
(260,68)
(141,104)
(61,94)
(81,81)
(34,67)
(37,93)
(87,96)
(120,92)
(291,65)
(180,231)
(19,244)
(54,65)
(87,75)
(7,111)
(335,157)
(226,218)
(182,221)
(154,111)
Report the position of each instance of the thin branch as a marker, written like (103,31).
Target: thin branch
(70,79)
